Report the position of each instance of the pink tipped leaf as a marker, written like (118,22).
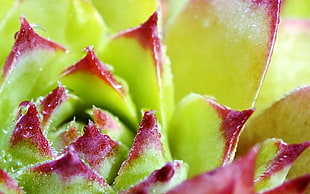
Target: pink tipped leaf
(104,91)
(8,185)
(32,69)
(286,119)
(65,174)
(146,154)
(274,160)
(51,102)
(28,145)
(111,126)
(140,50)
(161,180)
(234,178)
(27,40)
(101,153)
(211,130)
(298,185)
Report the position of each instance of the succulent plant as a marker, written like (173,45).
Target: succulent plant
(152,96)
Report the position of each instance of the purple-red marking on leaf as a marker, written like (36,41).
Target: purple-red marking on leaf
(232,124)
(69,166)
(26,40)
(147,136)
(147,35)
(164,174)
(8,181)
(234,178)
(28,129)
(296,186)
(286,156)
(51,102)
(104,120)
(68,136)
(91,64)
(94,146)
(273,8)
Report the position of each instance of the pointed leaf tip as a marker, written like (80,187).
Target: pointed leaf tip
(95,147)
(161,180)
(91,64)
(69,166)
(286,156)
(26,40)
(147,35)
(8,183)
(28,129)
(52,101)
(148,135)
(296,186)
(232,124)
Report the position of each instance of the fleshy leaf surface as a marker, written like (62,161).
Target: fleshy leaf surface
(234,178)
(140,50)
(8,185)
(146,154)
(67,174)
(287,119)
(296,186)
(289,66)
(221,48)
(104,91)
(111,126)
(63,136)
(211,130)
(127,14)
(103,154)
(274,160)
(296,9)
(161,180)
(75,14)
(31,56)
(28,145)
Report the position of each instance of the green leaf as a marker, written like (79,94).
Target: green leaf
(286,119)
(138,56)
(147,154)
(289,67)
(121,15)
(91,80)
(62,176)
(296,9)
(273,162)
(8,185)
(74,14)
(222,48)
(111,126)
(204,134)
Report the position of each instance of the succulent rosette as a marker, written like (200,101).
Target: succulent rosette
(101,96)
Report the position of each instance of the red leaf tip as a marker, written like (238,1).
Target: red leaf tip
(69,166)
(92,65)
(26,40)
(28,129)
